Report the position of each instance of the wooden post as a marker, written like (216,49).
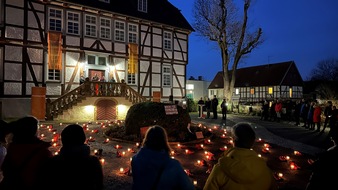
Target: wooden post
(38,102)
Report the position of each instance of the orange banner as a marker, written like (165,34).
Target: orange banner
(133,58)
(54,50)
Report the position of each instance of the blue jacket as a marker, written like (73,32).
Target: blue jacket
(146,165)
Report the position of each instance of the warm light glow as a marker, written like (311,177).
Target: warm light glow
(122,110)
(195,182)
(259,155)
(280,175)
(270,90)
(89,109)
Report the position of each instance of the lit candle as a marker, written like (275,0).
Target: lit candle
(280,175)
(259,155)
(195,182)
(178,145)
(102,161)
(199,162)
(121,170)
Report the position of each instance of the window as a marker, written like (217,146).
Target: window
(132,33)
(167,40)
(270,91)
(166,74)
(73,23)
(142,5)
(54,74)
(90,26)
(105,28)
(119,31)
(190,87)
(252,91)
(131,78)
(237,91)
(96,60)
(55,20)
(290,92)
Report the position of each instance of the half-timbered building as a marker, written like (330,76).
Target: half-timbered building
(264,82)
(55,50)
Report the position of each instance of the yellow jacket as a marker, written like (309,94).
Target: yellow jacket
(240,169)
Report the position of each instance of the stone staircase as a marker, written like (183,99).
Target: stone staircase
(56,107)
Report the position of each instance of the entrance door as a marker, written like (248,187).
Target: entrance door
(106,110)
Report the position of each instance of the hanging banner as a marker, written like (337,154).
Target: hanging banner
(54,50)
(133,58)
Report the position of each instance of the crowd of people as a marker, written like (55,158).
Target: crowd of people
(24,160)
(313,115)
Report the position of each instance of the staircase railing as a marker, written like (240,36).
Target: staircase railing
(90,89)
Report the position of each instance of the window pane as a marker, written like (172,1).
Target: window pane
(91,59)
(102,61)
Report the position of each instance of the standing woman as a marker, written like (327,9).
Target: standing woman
(317,116)
(153,168)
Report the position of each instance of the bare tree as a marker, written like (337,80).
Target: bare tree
(218,20)
(326,70)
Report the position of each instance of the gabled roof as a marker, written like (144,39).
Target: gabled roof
(284,73)
(160,11)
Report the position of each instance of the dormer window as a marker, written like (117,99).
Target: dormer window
(142,5)
(106,1)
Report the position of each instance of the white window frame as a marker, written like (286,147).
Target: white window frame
(132,33)
(97,58)
(72,22)
(142,6)
(119,31)
(166,76)
(105,28)
(131,78)
(53,16)
(90,26)
(54,75)
(167,40)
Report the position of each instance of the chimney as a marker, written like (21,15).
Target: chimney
(200,78)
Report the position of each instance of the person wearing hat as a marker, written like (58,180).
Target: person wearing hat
(324,168)
(74,167)
(25,157)
(240,167)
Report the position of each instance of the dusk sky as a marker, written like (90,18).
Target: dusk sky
(303,31)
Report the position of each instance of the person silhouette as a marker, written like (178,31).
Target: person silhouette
(26,155)
(153,168)
(325,167)
(240,167)
(74,166)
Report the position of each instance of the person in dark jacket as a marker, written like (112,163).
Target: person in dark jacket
(208,107)
(324,169)
(214,104)
(154,169)
(26,155)
(74,167)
